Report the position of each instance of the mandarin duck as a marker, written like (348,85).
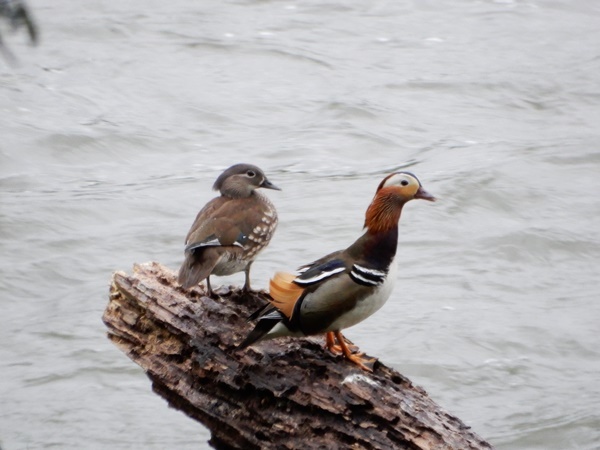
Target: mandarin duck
(345,287)
(231,229)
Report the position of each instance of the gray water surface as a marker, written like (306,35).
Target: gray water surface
(113,130)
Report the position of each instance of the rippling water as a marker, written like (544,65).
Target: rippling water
(113,130)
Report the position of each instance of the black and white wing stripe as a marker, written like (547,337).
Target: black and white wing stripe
(213,241)
(314,274)
(367,277)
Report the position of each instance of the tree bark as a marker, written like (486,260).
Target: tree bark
(288,393)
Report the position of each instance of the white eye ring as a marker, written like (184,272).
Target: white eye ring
(404,182)
(250,174)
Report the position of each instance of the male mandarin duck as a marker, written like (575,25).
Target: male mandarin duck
(345,287)
(230,230)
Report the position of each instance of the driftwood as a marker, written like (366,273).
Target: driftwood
(285,394)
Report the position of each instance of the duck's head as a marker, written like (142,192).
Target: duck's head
(240,180)
(405,186)
(392,193)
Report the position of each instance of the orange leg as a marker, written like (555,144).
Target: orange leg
(356,358)
(336,348)
(330,344)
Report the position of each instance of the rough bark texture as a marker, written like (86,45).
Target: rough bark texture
(285,393)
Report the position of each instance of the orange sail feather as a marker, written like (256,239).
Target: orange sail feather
(285,292)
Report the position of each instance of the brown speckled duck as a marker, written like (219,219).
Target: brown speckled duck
(230,230)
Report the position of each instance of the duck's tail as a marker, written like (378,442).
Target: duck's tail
(284,294)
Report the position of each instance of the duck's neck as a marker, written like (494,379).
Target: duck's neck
(377,246)
(237,192)
(383,213)
(376,250)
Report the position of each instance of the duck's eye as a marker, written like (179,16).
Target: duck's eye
(404,182)
(251,174)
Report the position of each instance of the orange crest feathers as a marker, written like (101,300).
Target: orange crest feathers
(285,292)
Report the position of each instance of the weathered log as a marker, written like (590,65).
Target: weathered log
(285,393)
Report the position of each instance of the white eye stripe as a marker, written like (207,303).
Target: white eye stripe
(397,178)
